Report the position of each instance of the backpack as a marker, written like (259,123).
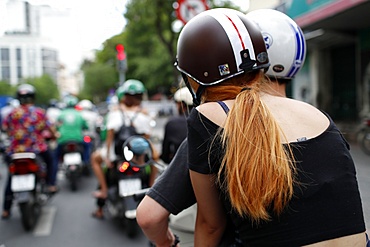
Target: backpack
(123,134)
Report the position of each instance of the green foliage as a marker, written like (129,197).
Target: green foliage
(99,78)
(7,89)
(151,43)
(150,46)
(46,89)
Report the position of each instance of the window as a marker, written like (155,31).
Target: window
(5,57)
(19,54)
(5,73)
(19,72)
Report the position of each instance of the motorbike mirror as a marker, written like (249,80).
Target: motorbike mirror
(137,149)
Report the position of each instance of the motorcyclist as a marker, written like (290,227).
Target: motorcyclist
(24,126)
(129,109)
(70,126)
(138,150)
(87,110)
(53,111)
(176,128)
(163,200)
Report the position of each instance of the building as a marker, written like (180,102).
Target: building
(24,52)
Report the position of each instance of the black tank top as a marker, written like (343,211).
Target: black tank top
(325,205)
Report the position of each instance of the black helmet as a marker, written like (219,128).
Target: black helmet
(218,44)
(26,93)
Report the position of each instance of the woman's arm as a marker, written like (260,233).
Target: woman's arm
(211,218)
(153,220)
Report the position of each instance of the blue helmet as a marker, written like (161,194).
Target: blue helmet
(139,145)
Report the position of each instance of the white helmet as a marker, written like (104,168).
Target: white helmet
(285,43)
(86,104)
(183,95)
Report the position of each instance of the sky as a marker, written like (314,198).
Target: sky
(93,22)
(82,27)
(78,27)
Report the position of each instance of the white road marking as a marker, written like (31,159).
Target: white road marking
(45,222)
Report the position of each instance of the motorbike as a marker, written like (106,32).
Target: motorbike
(28,184)
(129,182)
(365,136)
(72,163)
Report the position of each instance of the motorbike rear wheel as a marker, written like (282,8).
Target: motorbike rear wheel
(131,228)
(73,181)
(365,143)
(29,214)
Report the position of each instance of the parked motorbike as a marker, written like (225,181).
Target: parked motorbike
(365,137)
(28,175)
(72,162)
(130,181)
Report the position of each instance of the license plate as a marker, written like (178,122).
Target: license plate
(127,186)
(72,159)
(23,182)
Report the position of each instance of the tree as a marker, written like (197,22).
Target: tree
(46,89)
(7,89)
(150,45)
(99,79)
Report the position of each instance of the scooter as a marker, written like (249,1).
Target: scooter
(72,162)
(131,181)
(28,184)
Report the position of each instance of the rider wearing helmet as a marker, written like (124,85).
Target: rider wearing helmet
(131,92)
(291,41)
(91,116)
(70,126)
(53,111)
(129,112)
(239,51)
(24,126)
(139,146)
(285,43)
(263,154)
(137,150)
(175,129)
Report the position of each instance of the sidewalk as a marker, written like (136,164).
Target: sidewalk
(350,131)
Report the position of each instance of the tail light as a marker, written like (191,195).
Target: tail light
(87,139)
(23,166)
(367,122)
(71,147)
(126,167)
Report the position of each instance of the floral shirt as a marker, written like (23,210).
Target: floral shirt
(24,126)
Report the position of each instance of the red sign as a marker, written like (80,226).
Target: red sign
(187,9)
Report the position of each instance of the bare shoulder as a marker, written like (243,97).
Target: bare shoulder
(297,119)
(214,112)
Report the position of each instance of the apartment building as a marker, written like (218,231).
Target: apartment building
(24,52)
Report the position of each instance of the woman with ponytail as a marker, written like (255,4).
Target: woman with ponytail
(278,169)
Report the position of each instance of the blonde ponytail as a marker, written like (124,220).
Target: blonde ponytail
(259,170)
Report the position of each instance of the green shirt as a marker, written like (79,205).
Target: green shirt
(71,125)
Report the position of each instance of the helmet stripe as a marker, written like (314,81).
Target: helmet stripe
(300,51)
(237,34)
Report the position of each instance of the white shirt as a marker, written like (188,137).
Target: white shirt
(115,119)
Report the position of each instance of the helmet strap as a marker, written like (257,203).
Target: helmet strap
(196,95)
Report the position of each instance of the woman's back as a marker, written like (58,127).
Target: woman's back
(326,203)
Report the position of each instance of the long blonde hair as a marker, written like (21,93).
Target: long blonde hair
(258,170)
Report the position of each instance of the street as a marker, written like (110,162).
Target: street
(66,219)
